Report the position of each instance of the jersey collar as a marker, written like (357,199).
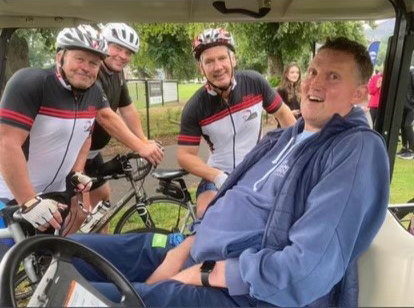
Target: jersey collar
(211,91)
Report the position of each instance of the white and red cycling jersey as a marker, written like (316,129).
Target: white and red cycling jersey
(58,122)
(231,129)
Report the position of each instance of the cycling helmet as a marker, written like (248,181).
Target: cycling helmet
(82,37)
(121,34)
(210,38)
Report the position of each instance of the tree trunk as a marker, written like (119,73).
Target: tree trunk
(168,73)
(275,65)
(17,57)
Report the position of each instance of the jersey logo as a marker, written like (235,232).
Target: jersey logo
(281,170)
(249,115)
(88,126)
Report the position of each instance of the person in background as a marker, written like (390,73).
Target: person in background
(289,88)
(374,89)
(123,43)
(407,123)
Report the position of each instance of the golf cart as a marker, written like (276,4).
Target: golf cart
(386,270)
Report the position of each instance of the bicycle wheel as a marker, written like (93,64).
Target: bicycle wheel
(164,213)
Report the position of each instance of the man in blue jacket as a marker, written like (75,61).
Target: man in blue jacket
(290,221)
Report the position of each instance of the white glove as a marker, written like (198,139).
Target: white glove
(220,179)
(39,211)
(81,181)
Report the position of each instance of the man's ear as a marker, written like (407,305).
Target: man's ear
(233,59)
(59,56)
(200,67)
(361,94)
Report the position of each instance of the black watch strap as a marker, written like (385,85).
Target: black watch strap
(205,270)
(204,279)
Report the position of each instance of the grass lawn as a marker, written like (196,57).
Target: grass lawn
(402,185)
(137,93)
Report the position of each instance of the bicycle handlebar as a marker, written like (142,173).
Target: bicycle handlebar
(120,167)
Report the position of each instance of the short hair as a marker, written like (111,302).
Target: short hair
(359,51)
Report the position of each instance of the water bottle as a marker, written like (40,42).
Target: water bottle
(6,241)
(93,217)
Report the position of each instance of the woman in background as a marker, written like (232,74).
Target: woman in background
(289,88)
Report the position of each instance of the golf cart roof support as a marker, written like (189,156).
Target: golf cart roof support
(395,80)
(4,42)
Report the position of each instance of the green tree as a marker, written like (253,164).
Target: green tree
(166,46)
(287,41)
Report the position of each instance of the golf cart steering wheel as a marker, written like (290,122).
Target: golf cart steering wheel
(61,284)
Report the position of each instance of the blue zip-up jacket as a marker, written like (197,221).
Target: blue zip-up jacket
(327,212)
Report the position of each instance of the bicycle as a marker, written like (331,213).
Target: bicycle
(172,211)
(145,215)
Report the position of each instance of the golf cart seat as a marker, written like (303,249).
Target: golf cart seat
(386,269)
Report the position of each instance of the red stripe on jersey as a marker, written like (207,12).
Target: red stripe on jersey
(66,114)
(13,115)
(275,105)
(185,138)
(249,102)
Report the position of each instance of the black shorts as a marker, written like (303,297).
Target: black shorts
(91,168)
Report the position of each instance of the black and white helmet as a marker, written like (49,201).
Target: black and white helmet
(121,34)
(82,37)
(211,38)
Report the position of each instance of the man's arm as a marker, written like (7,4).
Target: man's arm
(79,164)
(114,125)
(133,121)
(192,275)
(173,262)
(13,166)
(188,159)
(285,116)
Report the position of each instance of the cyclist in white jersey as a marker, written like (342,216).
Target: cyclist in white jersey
(226,112)
(46,118)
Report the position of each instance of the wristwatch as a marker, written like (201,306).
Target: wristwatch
(206,269)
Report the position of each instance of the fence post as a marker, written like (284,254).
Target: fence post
(147,107)
(162,92)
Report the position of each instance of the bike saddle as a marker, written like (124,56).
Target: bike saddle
(168,174)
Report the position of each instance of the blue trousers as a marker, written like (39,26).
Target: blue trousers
(137,256)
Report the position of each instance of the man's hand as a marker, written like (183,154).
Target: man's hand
(220,179)
(43,213)
(153,152)
(81,182)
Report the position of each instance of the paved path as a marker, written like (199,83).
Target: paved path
(119,187)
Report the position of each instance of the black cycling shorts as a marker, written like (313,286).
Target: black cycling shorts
(91,168)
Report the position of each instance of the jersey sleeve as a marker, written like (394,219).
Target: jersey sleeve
(22,98)
(125,98)
(190,130)
(102,100)
(272,101)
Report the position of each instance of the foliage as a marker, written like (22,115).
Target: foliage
(166,46)
(274,81)
(289,41)
(41,44)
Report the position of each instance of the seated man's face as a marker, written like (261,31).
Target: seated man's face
(331,85)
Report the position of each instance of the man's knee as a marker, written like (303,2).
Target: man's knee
(204,200)
(101,193)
